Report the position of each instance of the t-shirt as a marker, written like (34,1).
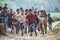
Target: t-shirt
(31,18)
(22,18)
(50,20)
(37,20)
(17,16)
(41,19)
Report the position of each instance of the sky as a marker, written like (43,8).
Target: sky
(48,5)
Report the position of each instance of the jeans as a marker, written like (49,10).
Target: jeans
(18,28)
(22,28)
(32,28)
(50,26)
(5,21)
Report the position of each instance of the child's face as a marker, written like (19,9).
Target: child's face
(18,12)
(22,12)
(30,12)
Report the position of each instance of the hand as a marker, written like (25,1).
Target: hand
(26,19)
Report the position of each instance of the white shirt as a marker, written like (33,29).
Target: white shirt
(17,16)
(22,18)
(41,19)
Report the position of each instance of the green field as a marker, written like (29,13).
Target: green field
(55,16)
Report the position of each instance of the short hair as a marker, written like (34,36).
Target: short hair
(21,8)
(30,10)
(17,9)
(48,13)
(26,10)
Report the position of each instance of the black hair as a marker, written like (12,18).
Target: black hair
(21,8)
(30,10)
(48,13)
(17,9)
(26,10)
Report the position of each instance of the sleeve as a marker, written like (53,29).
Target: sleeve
(52,20)
(27,17)
(38,17)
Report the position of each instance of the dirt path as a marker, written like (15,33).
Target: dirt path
(48,36)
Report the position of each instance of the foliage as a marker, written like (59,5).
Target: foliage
(56,29)
(55,16)
(2,3)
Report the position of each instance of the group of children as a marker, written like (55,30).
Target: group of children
(26,21)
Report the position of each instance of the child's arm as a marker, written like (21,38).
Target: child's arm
(52,20)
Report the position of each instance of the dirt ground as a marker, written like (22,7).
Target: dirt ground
(48,36)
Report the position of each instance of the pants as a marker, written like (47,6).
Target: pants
(23,26)
(43,29)
(50,26)
(18,28)
(5,25)
(9,23)
(5,21)
(32,28)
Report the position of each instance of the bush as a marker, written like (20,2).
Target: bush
(56,29)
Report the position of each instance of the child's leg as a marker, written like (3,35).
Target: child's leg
(50,26)
(21,32)
(41,28)
(35,28)
(12,28)
(25,27)
(5,26)
(31,29)
(22,28)
(18,27)
(45,27)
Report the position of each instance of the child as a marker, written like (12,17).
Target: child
(31,20)
(37,20)
(17,14)
(43,21)
(26,23)
(22,21)
(50,20)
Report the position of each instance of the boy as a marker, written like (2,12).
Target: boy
(26,23)
(18,20)
(22,21)
(43,21)
(37,20)
(50,20)
(31,20)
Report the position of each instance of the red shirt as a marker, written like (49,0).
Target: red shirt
(31,18)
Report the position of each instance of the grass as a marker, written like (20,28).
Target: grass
(55,16)
(56,29)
